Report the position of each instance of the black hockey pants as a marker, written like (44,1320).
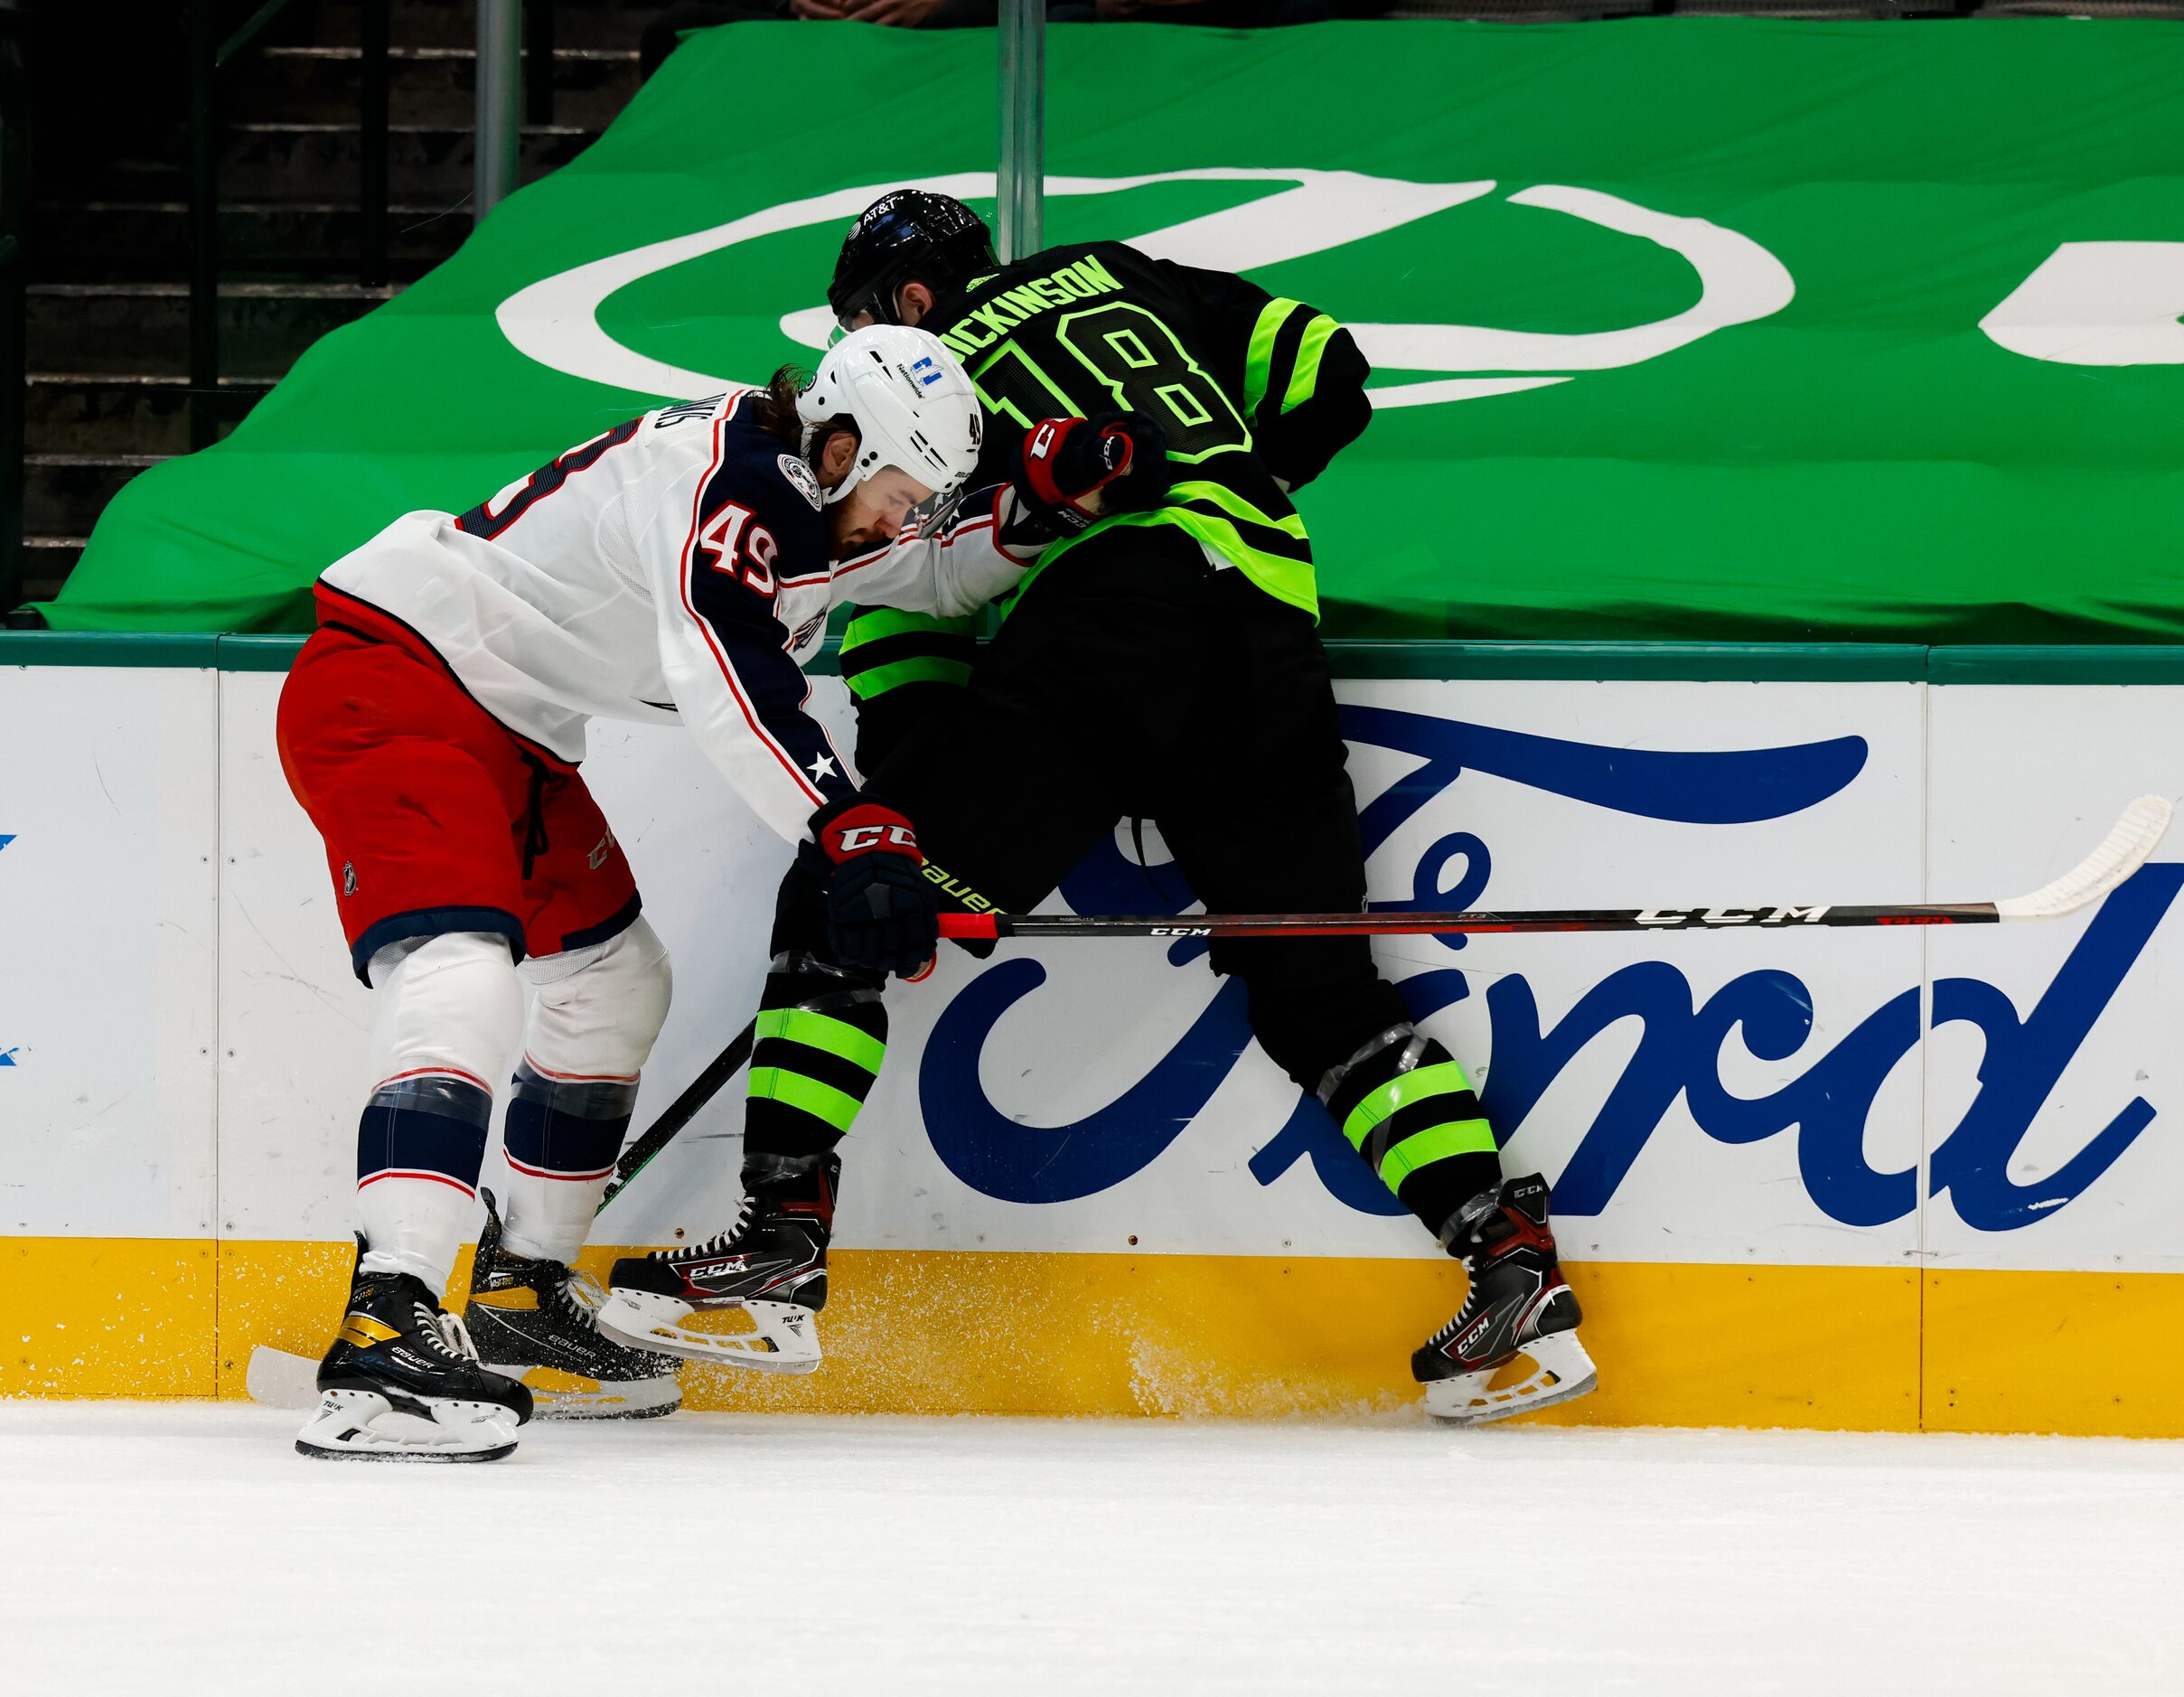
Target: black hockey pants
(1135,679)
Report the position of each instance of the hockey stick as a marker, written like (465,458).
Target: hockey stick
(2120,853)
(2133,837)
(679,1114)
(281,1380)
(287,1381)
(284,1379)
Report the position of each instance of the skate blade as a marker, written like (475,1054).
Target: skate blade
(1561,1372)
(558,1395)
(365,1426)
(782,1338)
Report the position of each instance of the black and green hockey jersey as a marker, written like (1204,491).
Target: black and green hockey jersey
(1256,393)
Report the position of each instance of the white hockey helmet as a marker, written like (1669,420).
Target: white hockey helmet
(914,404)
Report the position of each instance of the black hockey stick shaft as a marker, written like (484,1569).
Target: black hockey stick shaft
(684,1109)
(975,926)
(2122,852)
(2126,846)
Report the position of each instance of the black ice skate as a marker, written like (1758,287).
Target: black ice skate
(772,1263)
(1518,1322)
(527,1315)
(402,1382)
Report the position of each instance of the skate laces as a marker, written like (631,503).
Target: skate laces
(717,1243)
(1462,1317)
(582,1293)
(1479,1259)
(446,1333)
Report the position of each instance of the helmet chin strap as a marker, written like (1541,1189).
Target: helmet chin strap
(857,473)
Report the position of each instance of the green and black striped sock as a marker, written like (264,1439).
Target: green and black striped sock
(822,1035)
(1405,1105)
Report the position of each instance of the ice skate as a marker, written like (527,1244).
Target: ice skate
(772,1263)
(538,1316)
(402,1382)
(1513,1346)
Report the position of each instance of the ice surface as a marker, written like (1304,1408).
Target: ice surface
(185,1548)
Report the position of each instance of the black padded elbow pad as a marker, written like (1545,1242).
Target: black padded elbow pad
(1297,445)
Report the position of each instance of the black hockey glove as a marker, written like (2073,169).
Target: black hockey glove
(881,913)
(1075,470)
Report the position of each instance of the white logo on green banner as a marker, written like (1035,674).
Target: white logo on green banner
(1962,422)
(556,321)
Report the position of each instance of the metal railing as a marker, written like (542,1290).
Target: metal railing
(14,140)
(515,48)
(515,53)
(497,131)
(210,52)
(1020,187)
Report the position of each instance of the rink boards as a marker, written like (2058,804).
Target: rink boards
(1894,1179)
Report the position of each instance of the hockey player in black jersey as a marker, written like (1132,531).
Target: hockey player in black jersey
(1160,659)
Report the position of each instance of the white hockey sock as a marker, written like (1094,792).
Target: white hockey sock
(591,1025)
(450,1010)
(413,1225)
(548,1211)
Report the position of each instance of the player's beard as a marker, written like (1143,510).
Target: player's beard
(845,539)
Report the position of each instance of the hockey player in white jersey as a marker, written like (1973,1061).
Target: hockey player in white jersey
(677,569)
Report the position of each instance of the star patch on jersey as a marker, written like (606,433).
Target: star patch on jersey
(802,475)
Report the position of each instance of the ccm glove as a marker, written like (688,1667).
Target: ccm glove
(1075,470)
(881,913)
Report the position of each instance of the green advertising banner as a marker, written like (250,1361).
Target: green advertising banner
(1685,328)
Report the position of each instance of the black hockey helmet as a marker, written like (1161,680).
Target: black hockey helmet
(906,233)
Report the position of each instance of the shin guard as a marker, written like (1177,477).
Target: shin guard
(597,1011)
(823,1034)
(449,1014)
(1405,1105)
(560,1140)
(420,1145)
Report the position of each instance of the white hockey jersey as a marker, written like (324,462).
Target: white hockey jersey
(675,567)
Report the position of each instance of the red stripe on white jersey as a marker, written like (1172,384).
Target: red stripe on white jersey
(911,533)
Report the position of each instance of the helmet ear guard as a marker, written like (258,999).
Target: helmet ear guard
(913,406)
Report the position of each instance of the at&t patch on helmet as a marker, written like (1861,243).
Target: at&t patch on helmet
(802,475)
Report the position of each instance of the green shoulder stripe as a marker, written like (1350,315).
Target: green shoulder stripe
(1259,356)
(1288,579)
(1221,495)
(1304,378)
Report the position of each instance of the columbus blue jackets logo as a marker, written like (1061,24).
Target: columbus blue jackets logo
(799,474)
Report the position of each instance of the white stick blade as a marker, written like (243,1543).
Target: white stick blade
(280,1380)
(2122,852)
